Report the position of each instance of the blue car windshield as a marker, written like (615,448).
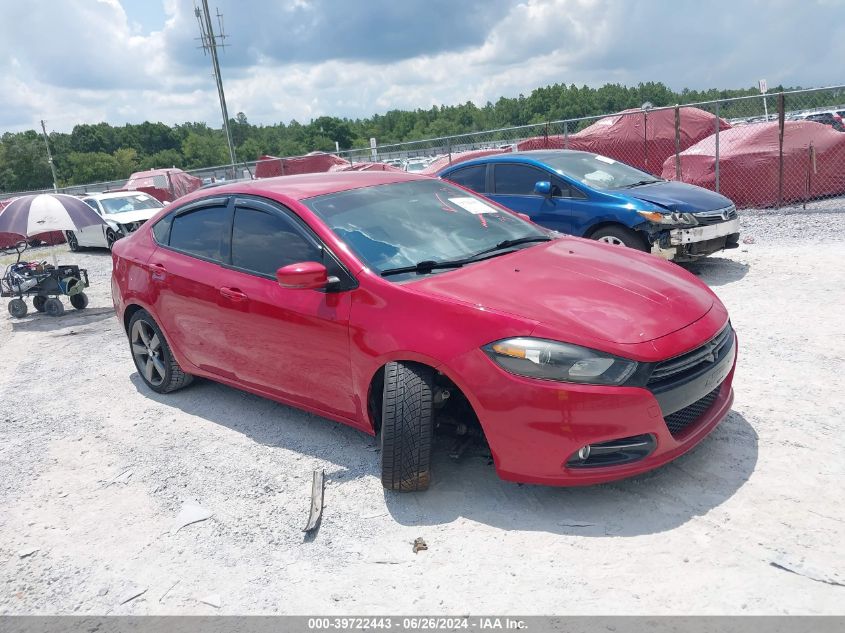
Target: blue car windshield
(596,171)
(400,224)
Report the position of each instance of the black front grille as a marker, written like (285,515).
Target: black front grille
(679,421)
(682,367)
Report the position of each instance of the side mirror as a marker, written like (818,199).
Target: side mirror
(523,216)
(303,276)
(543,187)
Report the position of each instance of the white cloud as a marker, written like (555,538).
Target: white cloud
(79,61)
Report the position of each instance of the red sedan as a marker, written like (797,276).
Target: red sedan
(401,305)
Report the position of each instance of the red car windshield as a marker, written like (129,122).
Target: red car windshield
(400,224)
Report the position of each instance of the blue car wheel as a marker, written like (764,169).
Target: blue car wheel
(620,236)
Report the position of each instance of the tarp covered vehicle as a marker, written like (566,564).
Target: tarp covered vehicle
(271,166)
(749,163)
(365,166)
(165,185)
(642,139)
(459,157)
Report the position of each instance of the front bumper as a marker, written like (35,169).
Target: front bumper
(534,427)
(703,233)
(695,242)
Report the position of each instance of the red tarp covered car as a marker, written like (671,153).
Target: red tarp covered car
(165,185)
(749,163)
(642,140)
(271,166)
(364,167)
(450,159)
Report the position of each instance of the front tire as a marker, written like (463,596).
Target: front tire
(152,355)
(72,242)
(79,301)
(407,427)
(620,236)
(17,308)
(111,238)
(38,302)
(54,307)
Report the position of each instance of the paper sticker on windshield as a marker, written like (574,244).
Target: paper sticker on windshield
(605,159)
(473,206)
(140,198)
(599,176)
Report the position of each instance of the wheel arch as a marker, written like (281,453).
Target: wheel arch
(376,385)
(128,312)
(133,305)
(606,223)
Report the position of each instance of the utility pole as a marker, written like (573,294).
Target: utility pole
(209,44)
(49,156)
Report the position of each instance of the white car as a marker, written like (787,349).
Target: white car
(123,211)
(416,164)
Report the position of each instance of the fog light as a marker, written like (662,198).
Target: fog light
(613,452)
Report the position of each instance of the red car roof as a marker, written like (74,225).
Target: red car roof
(304,186)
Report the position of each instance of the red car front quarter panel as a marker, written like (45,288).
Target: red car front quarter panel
(534,426)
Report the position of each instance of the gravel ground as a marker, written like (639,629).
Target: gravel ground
(95,469)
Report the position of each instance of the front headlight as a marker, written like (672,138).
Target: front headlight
(550,360)
(671,219)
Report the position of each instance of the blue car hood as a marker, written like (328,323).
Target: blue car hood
(678,196)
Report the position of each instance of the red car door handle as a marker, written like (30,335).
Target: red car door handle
(158,272)
(233,294)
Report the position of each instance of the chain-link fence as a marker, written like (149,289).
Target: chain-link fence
(763,151)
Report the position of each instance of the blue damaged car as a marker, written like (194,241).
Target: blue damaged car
(593,196)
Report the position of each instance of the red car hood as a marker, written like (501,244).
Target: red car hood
(583,289)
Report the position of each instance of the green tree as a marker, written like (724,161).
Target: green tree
(163,159)
(240,129)
(23,162)
(92,167)
(204,151)
(127,161)
(250,149)
(331,128)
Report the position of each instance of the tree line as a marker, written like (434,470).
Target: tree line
(102,152)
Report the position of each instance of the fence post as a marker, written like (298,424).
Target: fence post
(677,142)
(781,109)
(718,129)
(811,169)
(565,135)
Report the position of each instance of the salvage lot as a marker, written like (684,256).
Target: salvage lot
(95,469)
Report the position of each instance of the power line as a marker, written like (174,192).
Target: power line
(209,43)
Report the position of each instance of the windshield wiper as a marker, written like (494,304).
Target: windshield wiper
(428,265)
(513,242)
(425,267)
(641,182)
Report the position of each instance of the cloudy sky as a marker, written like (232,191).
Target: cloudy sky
(85,61)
